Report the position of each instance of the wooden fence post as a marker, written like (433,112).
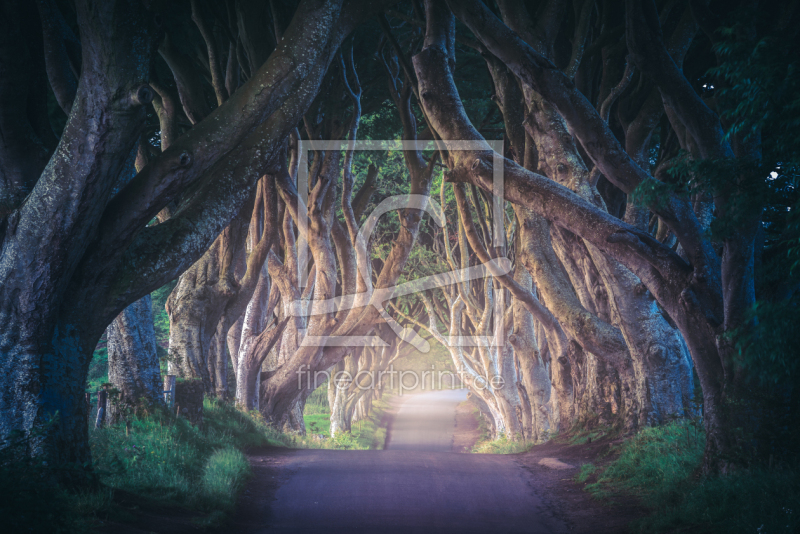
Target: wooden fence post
(169,390)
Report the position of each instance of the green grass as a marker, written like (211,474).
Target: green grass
(317,402)
(655,464)
(364,435)
(752,501)
(31,502)
(368,433)
(224,475)
(166,459)
(161,459)
(318,423)
(317,409)
(586,471)
(583,436)
(661,467)
(501,445)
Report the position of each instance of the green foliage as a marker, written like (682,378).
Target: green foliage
(318,423)
(582,436)
(585,472)
(769,347)
(370,433)
(365,434)
(383,123)
(661,467)
(755,87)
(317,403)
(343,441)
(767,352)
(758,500)
(656,464)
(98,368)
(161,319)
(761,83)
(160,459)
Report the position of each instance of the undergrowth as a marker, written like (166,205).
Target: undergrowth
(655,464)
(501,445)
(31,502)
(158,458)
(365,434)
(166,459)
(582,435)
(317,403)
(661,467)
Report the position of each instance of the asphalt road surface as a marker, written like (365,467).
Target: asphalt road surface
(416,485)
(426,422)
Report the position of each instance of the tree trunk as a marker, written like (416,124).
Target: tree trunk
(253,322)
(45,348)
(80,241)
(218,361)
(342,377)
(534,381)
(133,366)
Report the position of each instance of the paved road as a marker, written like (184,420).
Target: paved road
(414,486)
(426,422)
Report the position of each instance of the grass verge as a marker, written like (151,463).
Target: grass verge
(661,467)
(168,460)
(159,460)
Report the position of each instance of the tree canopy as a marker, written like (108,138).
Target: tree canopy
(647,235)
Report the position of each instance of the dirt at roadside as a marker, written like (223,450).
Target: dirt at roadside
(555,464)
(387,418)
(466,433)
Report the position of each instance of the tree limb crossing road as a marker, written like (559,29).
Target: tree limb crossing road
(416,485)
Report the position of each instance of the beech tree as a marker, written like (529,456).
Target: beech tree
(77,248)
(162,141)
(703,291)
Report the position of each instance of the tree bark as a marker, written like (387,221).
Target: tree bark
(133,366)
(46,347)
(71,247)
